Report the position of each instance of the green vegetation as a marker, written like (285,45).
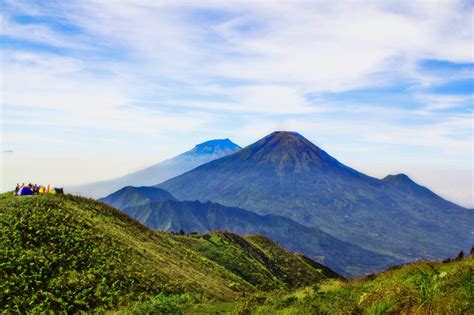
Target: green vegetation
(161,304)
(421,288)
(158,210)
(259,261)
(71,254)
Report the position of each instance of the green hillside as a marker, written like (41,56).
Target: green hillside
(67,254)
(193,216)
(258,260)
(422,288)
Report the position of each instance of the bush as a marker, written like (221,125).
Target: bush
(287,302)
(161,304)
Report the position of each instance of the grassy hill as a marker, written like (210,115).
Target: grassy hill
(193,216)
(67,254)
(258,260)
(421,288)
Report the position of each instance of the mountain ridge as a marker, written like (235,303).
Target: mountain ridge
(193,216)
(285,174)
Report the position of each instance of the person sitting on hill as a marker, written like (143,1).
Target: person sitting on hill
(17,188)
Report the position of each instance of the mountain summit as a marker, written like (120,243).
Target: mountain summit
(288,152)
(288,148)
(217,147)
(200,154)
(285,174)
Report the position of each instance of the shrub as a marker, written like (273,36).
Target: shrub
(161,304)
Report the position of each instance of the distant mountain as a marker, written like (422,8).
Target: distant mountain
(285,174)
(136,196)
(67,254)
(168,214)
(200,154)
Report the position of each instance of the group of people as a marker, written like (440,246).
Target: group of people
(33,189)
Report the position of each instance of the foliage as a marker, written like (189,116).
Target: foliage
(54,257)
(421,288)
(259,261)
(67,254)
(166,214)
(161,304)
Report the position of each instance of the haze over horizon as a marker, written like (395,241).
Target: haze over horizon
(93,90)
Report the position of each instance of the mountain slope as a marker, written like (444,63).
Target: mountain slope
(194,216)
(258,260)
(130,196)
(421,288)
(200,154)
(285,174)
(67,254)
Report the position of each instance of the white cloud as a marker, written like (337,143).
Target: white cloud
(316,47)
(162,69)
(271,99)
(434,102)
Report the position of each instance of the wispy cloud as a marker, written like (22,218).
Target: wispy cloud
(133,68)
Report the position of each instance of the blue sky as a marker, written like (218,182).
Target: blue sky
(94,89)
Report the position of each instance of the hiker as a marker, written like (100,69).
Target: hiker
(17,188)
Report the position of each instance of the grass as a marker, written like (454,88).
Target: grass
(68,254)
(259,261)
(421,288)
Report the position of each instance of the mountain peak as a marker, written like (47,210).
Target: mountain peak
(286,152)
(404,183)
(216,146)
(285,133)
(285,136)
(398,179)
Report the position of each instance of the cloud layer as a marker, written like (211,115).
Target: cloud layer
(151,78)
